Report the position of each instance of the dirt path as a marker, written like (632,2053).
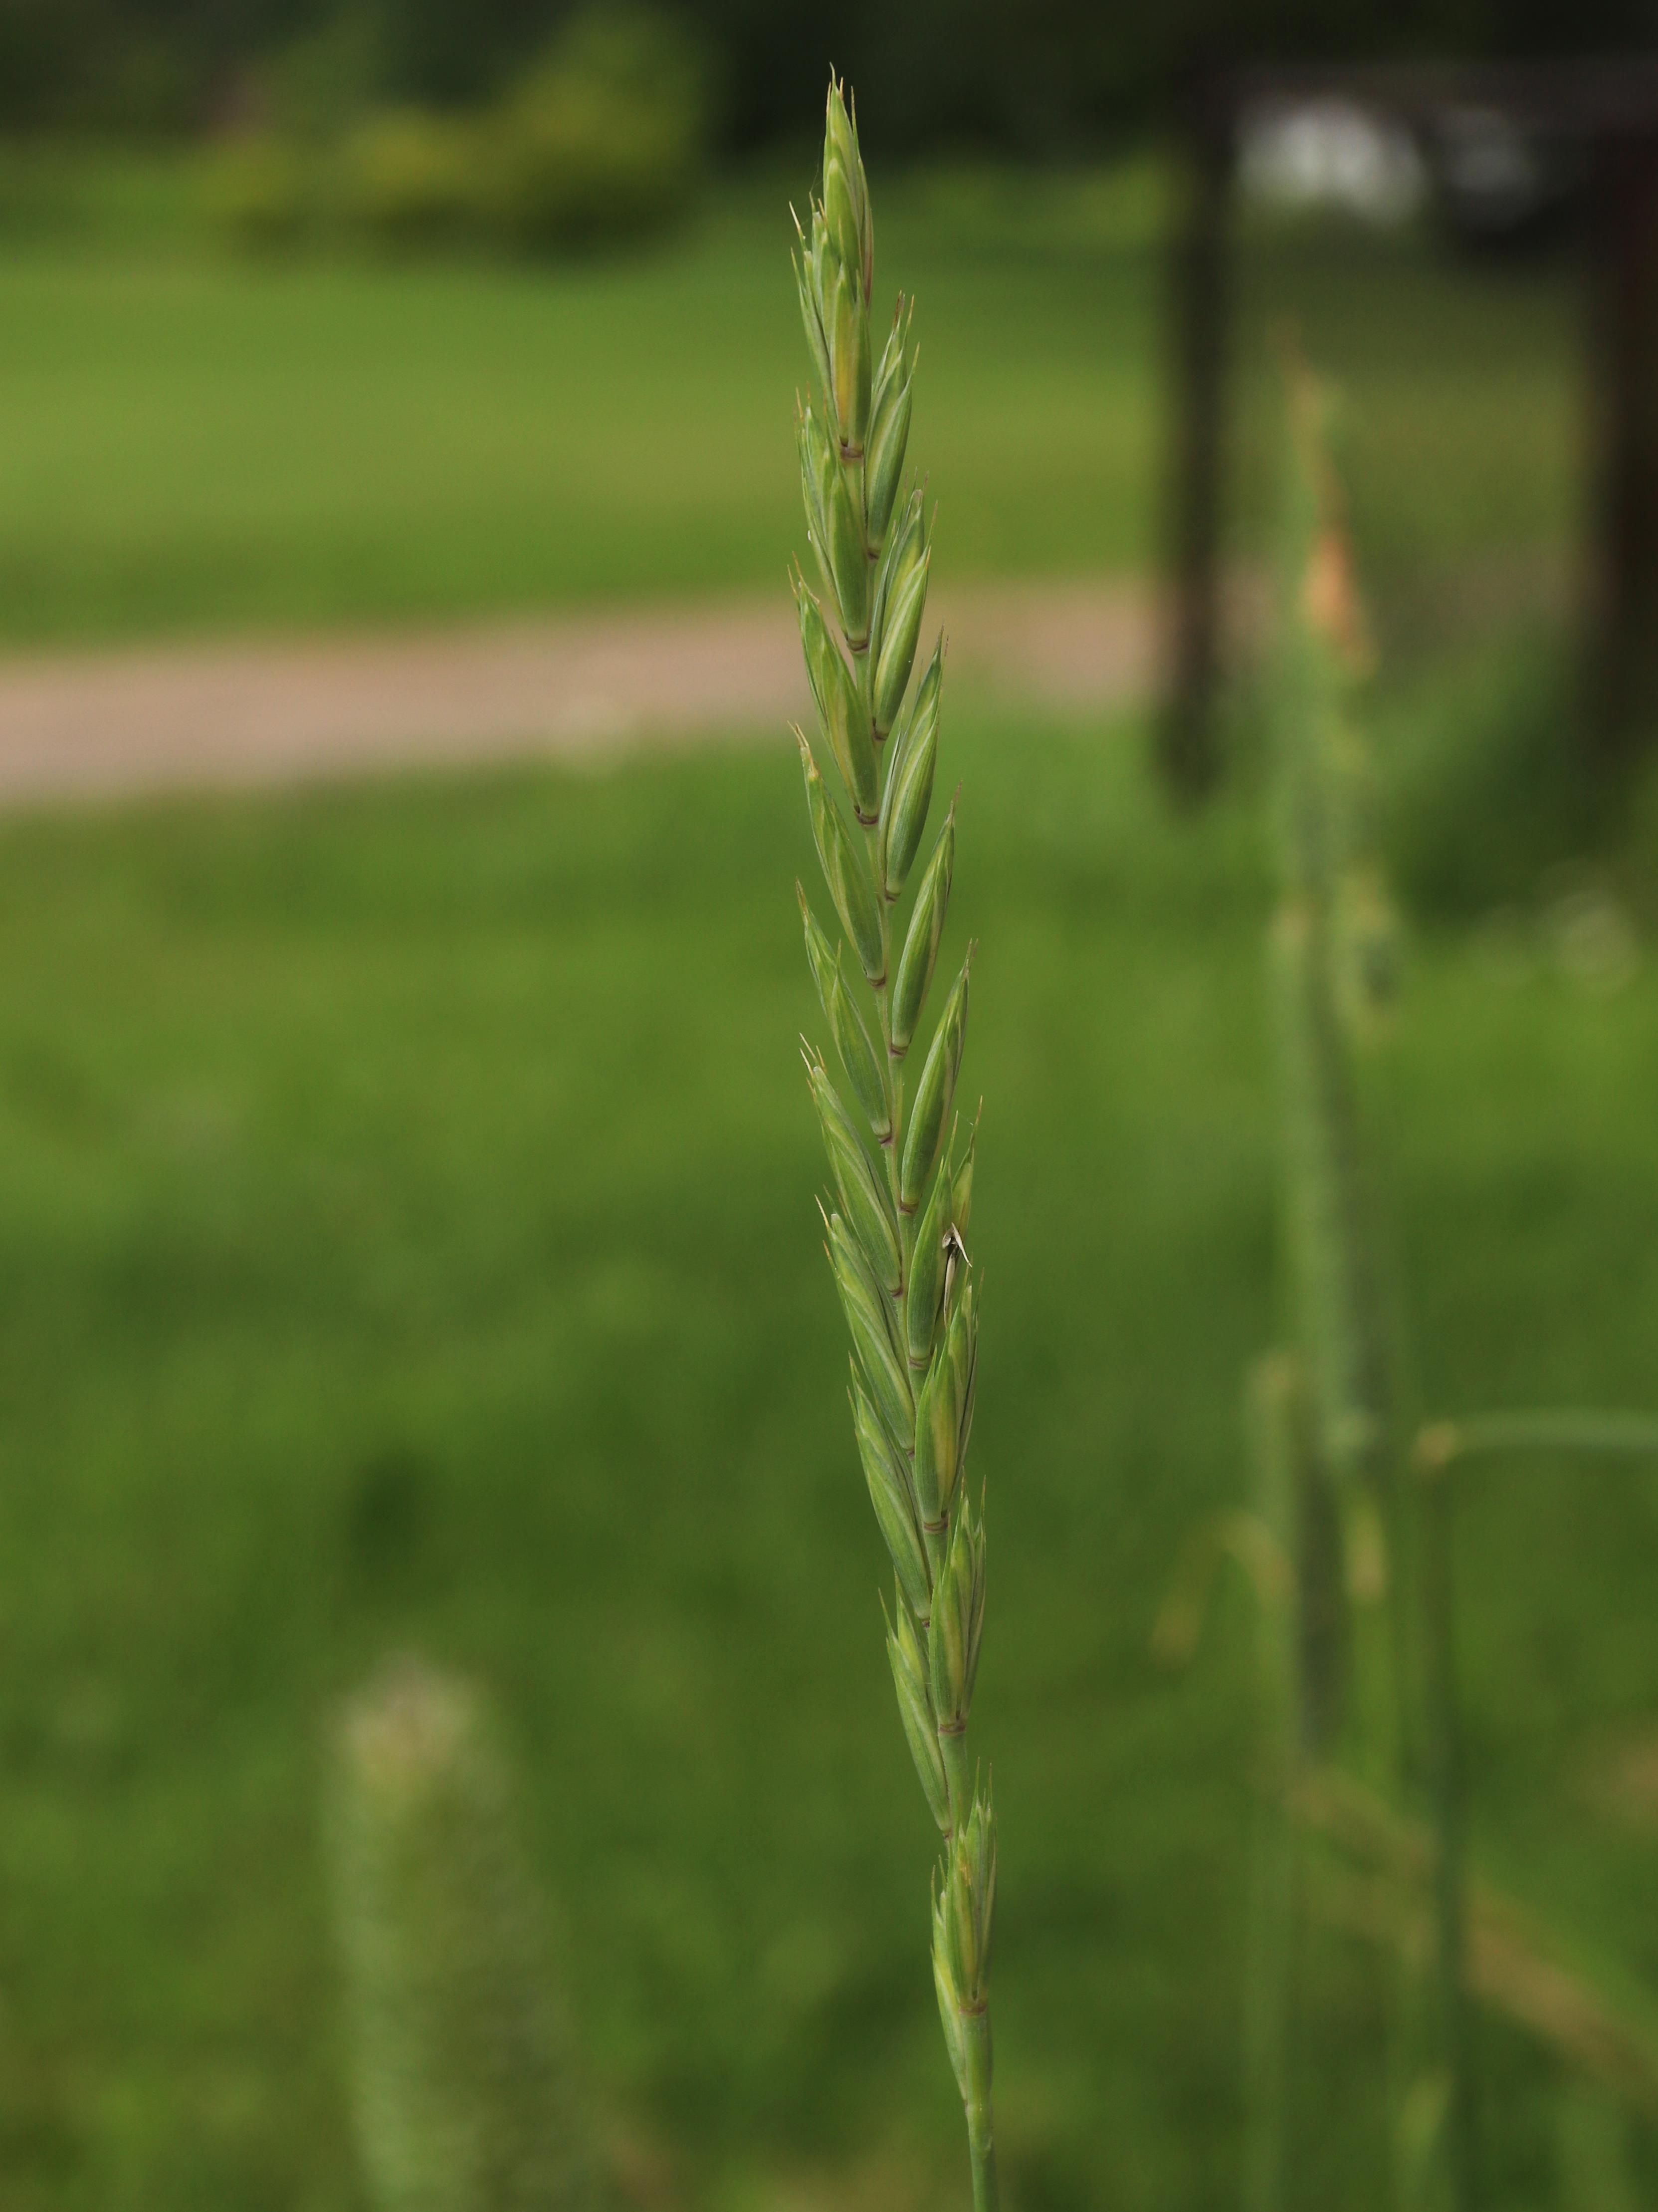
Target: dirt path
(160,718)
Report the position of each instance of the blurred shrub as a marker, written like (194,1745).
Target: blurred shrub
(605,141)
(324,81)
(1485,789)
(259,192)
(142,87)
(45,51)
(408,179)
(602,144)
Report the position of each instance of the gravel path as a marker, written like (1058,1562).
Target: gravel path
(179,717)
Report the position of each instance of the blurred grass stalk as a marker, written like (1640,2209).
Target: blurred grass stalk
(465,2093)
(1332,971)
(896,1238)
(1376,1695)
(1277,1410)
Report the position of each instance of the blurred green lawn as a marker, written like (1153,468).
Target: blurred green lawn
(406,1240)
(189,443)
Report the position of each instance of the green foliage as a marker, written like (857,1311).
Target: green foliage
(98,65)
(604,142)
(600,145)
(260,194)
(182,427)
(1402,1733)
(319,84)
(1484,780)
(408,179)
(356,1296)
(938,73)
(465,2101)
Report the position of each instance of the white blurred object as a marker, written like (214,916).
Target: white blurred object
(1334,154)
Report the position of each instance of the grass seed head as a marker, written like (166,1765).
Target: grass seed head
(895,1242)
(464,2094)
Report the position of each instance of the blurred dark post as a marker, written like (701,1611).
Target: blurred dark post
(1623,611)
(1186,749)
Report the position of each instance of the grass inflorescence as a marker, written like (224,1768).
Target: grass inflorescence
(465,2095)
(901,1164)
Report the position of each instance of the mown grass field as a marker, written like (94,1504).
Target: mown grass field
(407,1235)
(189,442)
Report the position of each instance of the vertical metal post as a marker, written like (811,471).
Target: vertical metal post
(1623,578)
(1188,751)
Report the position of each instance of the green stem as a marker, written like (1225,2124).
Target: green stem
(1450,1855)
(958,1776)
(1608,1435)
(1438,1449)
(980,2125)
(1275,1849)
